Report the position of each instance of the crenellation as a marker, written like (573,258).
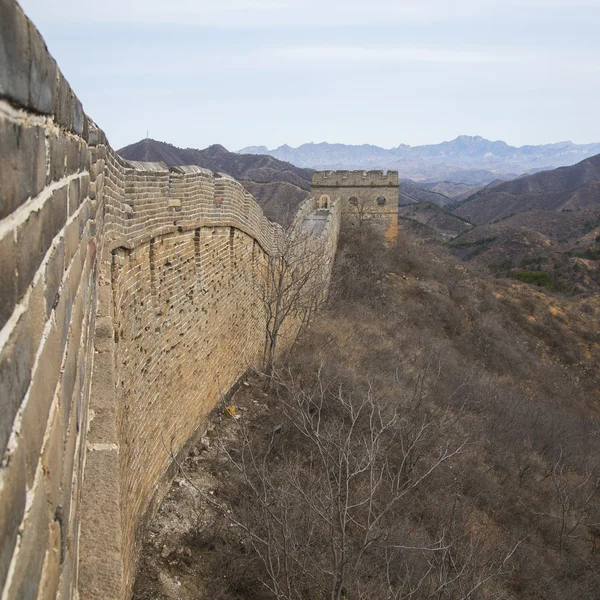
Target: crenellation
(355,178)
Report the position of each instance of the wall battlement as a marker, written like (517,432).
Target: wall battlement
(355,178)
(127,310)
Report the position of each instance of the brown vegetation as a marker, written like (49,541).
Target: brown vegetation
(432,435)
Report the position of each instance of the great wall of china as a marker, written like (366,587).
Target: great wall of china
(126,313)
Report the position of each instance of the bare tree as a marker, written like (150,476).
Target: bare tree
(572,496)
(291,284)
(324,503)
(359,210)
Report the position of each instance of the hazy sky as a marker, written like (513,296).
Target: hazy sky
(384,72)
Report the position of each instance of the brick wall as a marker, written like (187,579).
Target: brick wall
(127,309)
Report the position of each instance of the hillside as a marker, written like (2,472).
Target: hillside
(411,192)
(566,188)
(434,429)
(265,177)
(559,251)
(542,228)
(431,221)
(466,159)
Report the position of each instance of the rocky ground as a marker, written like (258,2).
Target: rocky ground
(182,545)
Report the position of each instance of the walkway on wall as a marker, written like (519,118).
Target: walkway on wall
(316,221)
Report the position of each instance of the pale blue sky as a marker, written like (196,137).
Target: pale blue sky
(384,72)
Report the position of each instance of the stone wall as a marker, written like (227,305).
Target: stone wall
(365,195)
(126,313)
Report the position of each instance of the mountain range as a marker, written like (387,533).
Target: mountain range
(472,160)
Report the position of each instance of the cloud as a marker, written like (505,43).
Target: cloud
(272,13)
(338,53)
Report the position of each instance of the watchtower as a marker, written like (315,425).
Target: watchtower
(365,195)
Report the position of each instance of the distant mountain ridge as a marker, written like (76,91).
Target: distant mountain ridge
(466,159)
(566,188)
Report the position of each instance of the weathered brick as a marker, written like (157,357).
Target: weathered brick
(12,506)
(66,485)
(8,278)
(74,149)
(74,195)
(83,217)
(16,361)
(57,155)
(72,240)
(35,236)
(37,407)
(42,82)
(85,134)
(14,53)
(103,578)
(22,164)
(62,316)
(68,379)
(52,458)
(62,101)
(25,579)
(51,569)
(77,116)
(85,184)
(55,269)
(66,583)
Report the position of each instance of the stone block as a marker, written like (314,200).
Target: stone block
(27,571)
(12,506)
(66,583)
(100,564)
(63,312)
(22,164)
(73,155)
(77,116)
(35,235)
(71,236)
(85,184)
(85,134)
(74,195)
(103,427)
(68,379)
(57,154)
(52,457)
(14,53)
(62,101)
(55,269)
(68,466)
(16,362)
(8,278)
(42,81)
(37,408)
(51,569)
(83,217)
